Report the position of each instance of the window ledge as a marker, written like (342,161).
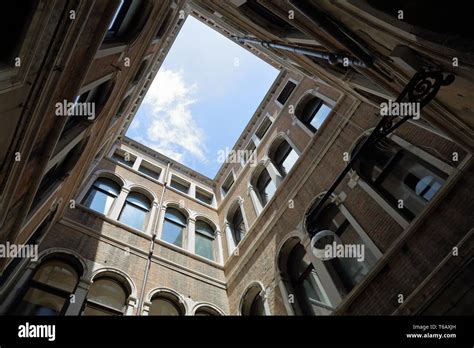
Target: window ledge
(112,221)
(188,253)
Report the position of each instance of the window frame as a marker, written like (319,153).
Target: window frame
(183,224)
(136,206)
(209,235)
(35,284)
(103,307)
(96,188)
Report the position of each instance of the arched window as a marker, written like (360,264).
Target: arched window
(312,112)
(165,305)
(284,157)
(204,240)
(102,195)
(106,296)
(136,211)
(349,270)
(237,226)
(398,174)
(265,187)
(253,302)
(174,227)
(50,289)
(305,282)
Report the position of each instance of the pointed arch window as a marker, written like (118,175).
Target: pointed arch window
(312,112)
(284,158)
(300,279)
(253,302)
(237,226)
(265,187)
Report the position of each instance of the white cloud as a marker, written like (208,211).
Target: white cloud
(172,129)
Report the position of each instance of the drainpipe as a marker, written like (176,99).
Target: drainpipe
(332,58)
(152,243)
(335,29)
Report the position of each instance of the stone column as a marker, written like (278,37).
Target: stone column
(244,217)
(191,236)
(255,200)
(119,202)
(273,172)
(219,251)
(230,238)
(151,220)
(161,220)
(74,308)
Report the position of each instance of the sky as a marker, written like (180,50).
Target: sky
(202,98)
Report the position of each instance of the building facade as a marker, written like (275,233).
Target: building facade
(124,230)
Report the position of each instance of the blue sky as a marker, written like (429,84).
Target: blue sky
(205,93)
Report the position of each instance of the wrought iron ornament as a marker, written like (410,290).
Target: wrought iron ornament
(422,88)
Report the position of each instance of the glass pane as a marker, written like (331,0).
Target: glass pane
(204,228)
(427,187)
(121,159)
(269,191)
(238,226)
(115,15)
(175,215)
(265,186)
(257,307)
(39,302)
(108,185)
(320,116)
(99,201)
(149,172)
(162,306)
(204,197)
(172,233)
(208,312)
(435,186)
(57,274)
(312,293)
(96,311)
(204,246)
(139,199)
(179,186)
(133,216)
(289,162)
(108,292)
